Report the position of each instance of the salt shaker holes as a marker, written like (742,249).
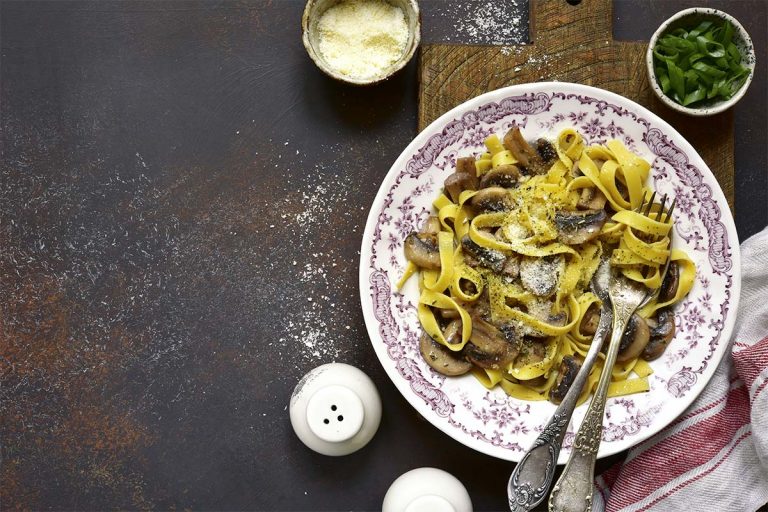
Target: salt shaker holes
(335,409)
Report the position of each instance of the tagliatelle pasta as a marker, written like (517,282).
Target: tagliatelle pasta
(505,264)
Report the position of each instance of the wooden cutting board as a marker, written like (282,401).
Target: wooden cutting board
(569,43)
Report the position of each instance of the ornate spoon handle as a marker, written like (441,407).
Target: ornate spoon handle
(531,478)
(573,491)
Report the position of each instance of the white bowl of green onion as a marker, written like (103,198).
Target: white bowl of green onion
(700,61)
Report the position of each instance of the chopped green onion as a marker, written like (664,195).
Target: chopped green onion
(697,95)
(708,70)
(699,64)
(676,79)
(663,80)
(711,48)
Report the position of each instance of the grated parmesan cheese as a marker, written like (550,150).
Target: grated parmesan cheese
(362,38)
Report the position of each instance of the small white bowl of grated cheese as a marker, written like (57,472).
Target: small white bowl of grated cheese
(361,42)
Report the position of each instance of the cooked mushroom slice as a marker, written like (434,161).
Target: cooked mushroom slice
(542,310)
(503,176)
(491,199)
(576,170)
(441,358)
(432,225)
(449,314)
(569,367)
(489,258)
(531,351)
(452,314)
(579,226)
(671,281)
(466,165)
(589,321)
(591,198)
(522,151)
(540,276)
(481,307)
(662,330)
(458,182)
(635,338)
(546,151)
(491,347)
(421,248)
(452,332)
(511,268)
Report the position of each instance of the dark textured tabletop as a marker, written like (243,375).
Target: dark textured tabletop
(182,200)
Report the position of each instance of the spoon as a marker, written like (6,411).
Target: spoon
(531,478)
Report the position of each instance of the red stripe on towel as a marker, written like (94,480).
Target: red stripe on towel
(699,476)
(761,387)
(692,447)
(751,361)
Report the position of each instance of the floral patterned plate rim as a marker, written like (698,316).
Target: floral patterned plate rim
(490,421)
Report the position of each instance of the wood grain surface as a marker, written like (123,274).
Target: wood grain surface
(568,44)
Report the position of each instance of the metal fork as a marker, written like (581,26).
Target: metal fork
(530,481)
(573,491)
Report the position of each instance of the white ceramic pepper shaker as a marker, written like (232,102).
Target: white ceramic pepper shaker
(335,409)
(427,490)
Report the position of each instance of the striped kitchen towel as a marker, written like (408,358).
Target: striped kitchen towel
(715,455)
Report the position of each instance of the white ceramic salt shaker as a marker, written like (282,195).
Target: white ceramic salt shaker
(335,409)
(427,490)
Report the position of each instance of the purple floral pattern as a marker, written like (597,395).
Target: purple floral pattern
(490,421)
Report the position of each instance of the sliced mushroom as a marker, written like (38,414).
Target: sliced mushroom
(491,347)
(452,332)
(491,199)
(466,165)
(671,281)
(431,226)
(590,320)
(578,227)
(441,358)
(503,176)
(421,249)
(489,258)
(542,310)
(481,307)
(531,351)
(576,170)
(546,151)
(591,198)
(540,276)
(635,338)
(449,314)
(511,268)
(452,314)
(662,330)
(458,182)
(569,368)
(522,151)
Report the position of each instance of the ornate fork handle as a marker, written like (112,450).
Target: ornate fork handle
(531,478)
(573,491)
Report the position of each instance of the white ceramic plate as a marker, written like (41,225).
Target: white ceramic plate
(490,421)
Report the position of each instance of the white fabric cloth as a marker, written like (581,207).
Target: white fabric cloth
(715,455)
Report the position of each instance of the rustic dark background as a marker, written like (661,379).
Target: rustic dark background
(182,198)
